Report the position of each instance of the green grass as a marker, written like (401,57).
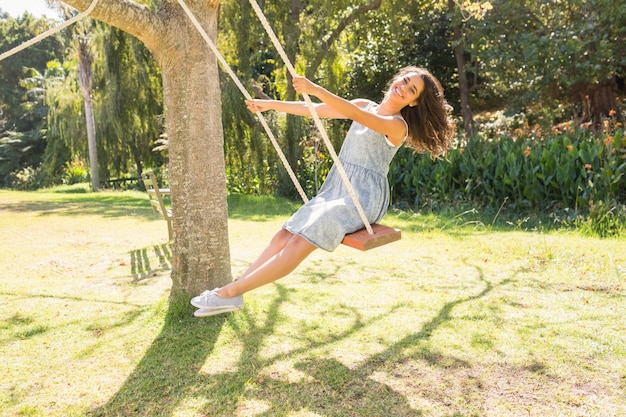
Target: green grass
(459,318)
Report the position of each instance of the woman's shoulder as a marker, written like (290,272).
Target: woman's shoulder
(364,103)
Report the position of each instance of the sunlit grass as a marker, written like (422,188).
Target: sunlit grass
(459,318)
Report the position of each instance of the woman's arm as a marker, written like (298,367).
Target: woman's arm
(392,127)
(298,108)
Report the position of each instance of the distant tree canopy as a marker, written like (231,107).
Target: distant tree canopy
(14,32)
(553,53)
(41,113)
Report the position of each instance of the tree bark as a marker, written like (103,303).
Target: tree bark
(191,91)
(91,141)
(85,79)
(597,100)
(459,54)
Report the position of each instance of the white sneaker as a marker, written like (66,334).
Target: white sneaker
(203,312)
(209,300)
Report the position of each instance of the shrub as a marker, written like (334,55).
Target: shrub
(574,170)
(75,172)
(28,178)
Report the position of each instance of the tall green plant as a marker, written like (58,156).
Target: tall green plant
(575,170)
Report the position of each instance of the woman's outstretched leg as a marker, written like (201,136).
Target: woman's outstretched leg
(278,242)
(270,267)
(284,253)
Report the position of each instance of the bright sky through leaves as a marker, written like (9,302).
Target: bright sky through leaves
(17,8)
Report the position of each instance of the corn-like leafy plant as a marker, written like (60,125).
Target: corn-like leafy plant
(574,170)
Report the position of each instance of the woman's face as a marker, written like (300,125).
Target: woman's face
(406,89)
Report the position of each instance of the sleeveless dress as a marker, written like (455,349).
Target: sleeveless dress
(325,219)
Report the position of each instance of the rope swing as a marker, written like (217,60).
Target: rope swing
(372,235)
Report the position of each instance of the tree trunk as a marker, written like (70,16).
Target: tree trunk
(91,141)
(597,100)
(191,90)
(197,170)
(85,78)
(459,54)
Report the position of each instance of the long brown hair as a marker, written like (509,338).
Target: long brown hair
(430,126)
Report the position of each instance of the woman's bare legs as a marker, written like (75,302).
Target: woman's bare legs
(278,242)
(284,253)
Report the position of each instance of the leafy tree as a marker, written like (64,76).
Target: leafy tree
(541,51)
(23,114)
(23,148)
(127,102)
(66,126)
(130,94)
(14,32)
(419,38)
(313,35)
(430,34)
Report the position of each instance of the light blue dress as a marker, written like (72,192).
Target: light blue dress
(365,156)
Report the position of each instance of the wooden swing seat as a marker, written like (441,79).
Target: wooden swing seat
(363,240)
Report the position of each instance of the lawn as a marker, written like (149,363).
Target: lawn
(457,319)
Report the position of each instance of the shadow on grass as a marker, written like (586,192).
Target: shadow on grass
(170,374)
(23,326)
(123,204)
(100,204)
(169,370)
(140,266)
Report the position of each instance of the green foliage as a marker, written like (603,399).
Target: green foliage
(75,172)
(575,173)
(314,167)
(605,219)
(539,50)
(22,148)
(27,178)
(319,39)
(20,152)
(128,104)
(14,32)
(382,47)
(128,91)
(251,161)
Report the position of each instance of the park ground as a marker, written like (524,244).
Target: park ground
(457,319)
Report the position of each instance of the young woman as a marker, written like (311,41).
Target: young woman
(413,112)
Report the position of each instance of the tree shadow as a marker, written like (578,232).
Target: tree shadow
(165,373)
(165,378)
(337,390)
(111,206)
